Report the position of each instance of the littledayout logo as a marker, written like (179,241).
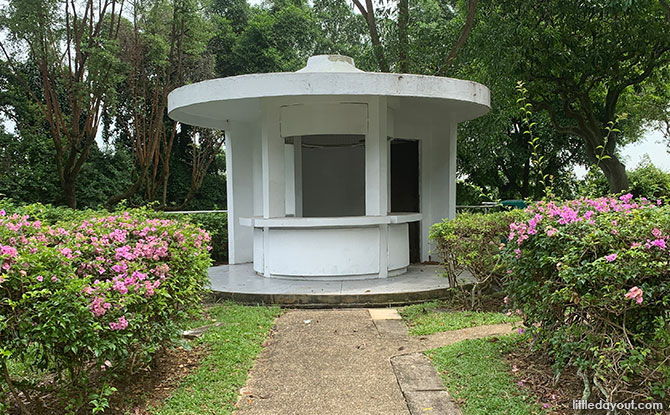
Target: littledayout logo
(610,406)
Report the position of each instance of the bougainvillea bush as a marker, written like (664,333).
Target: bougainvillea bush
(87,299)
(592,279)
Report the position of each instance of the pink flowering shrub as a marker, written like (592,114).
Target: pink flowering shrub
(592,279)
(99,291)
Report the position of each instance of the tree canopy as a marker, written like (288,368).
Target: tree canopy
(84,85)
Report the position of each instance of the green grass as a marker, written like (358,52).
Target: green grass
(213,387)
(476,375)
(424,319)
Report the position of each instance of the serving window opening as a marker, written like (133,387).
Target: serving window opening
(329,175)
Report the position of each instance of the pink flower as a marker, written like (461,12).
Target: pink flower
(626,198)
(518,253)
(659,243)
(610,258)
(656,232)
(2,212)
(521,330)
(99,307)
(9,251)
(509,313)
(505,300)
(551,231)
(635,293)
(121,325)
(39,278)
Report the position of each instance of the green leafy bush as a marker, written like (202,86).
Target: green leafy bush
(92,297)
(216,224)
(472,242)
(592,279)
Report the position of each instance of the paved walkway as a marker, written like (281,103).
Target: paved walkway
(337,362)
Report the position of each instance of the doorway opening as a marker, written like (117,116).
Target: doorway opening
(405,188)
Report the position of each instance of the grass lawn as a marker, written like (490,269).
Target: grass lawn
(434,317)
(478,378)
(232,347)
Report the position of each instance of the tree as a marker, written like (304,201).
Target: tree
(162,51)
(73,46)
(583,63)
(399,47)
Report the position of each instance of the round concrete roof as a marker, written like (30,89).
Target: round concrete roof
(238,98)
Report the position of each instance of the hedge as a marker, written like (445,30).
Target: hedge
(472,243)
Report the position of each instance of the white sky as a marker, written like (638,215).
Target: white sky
(654,145)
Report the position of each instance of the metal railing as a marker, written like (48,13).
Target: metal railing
(189,212)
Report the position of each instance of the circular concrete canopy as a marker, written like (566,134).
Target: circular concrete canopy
(238,98)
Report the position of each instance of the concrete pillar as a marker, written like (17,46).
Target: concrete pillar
(451,182)
(272,159)
(239,181)
(376,159)
(438,180)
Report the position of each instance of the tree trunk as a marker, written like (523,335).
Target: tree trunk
(403,38)
(465,33)
(134,188)
(69,186)
(616,175)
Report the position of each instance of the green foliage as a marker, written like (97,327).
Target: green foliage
(475,373)
(591,278)
(646,180)
(429,318)
(216,224)
(472,242)
(88,296)
(232,348)
(582,63)
(276,38)
(469,194)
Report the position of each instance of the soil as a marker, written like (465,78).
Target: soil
(153,385)
(142,390)
(533,371)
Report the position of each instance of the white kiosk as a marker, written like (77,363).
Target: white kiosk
(332,172)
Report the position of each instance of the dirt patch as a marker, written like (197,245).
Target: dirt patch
(139,391)
(153,385)
(533,371)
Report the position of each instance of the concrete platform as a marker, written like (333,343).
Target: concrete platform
(240,283)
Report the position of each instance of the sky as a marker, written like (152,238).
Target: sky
(654,145)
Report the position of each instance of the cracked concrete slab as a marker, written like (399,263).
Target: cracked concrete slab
(422,386)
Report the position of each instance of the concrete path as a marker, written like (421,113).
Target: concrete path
(338,362)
